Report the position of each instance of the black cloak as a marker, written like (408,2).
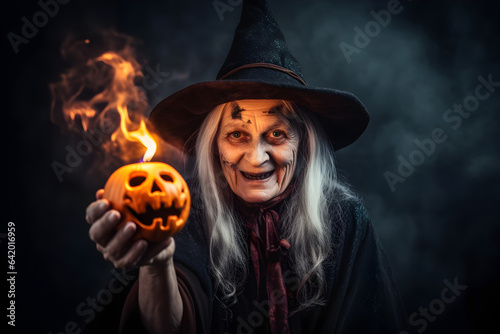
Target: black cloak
(361,296)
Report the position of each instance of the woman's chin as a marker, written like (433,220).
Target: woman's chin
(255,198)
(258,191)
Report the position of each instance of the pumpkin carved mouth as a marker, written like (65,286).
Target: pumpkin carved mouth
(162,215)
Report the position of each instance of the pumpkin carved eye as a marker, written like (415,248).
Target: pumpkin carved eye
(166,177)
(136,181)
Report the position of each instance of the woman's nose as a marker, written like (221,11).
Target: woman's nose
(257,154)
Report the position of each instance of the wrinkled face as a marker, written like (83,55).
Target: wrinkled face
(257,148)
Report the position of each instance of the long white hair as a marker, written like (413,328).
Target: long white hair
(312,222)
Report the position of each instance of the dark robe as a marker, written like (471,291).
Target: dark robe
(361,295)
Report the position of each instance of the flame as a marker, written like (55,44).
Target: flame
(102,98)
(117,94)
(99,87)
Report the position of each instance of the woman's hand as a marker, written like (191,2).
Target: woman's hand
(160,303)
(118,245)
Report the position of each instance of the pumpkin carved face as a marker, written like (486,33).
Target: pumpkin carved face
(151,194)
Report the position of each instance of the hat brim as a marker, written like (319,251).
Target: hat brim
(178,117)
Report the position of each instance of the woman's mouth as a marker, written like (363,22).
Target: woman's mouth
(257,176)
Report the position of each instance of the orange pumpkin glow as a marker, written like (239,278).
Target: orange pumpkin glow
(151,194)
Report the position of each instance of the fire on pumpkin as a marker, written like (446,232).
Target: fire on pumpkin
(104,88)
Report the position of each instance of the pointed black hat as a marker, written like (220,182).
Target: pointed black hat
(258,66)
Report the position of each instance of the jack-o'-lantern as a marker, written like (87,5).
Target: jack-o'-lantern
(151,194)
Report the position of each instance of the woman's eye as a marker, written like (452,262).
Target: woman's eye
(276,137)
(236,136)
(277,134)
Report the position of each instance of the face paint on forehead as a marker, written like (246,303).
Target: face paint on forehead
(249,113)
(276,110)
(236,111)
(280,111)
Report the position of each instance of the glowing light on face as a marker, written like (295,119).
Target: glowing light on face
(257,147)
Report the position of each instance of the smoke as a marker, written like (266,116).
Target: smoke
(99,97)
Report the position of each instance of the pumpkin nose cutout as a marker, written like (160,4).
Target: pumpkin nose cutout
(155,187)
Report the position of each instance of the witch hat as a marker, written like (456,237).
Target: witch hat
(259,66)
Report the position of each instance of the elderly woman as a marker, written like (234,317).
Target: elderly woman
(275,242)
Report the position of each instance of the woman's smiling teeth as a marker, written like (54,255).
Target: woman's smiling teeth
(257,176)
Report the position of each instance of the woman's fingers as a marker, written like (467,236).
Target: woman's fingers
(117,245)
(121,249)
(125,252)
(102,229)
(95,210)
(133,256)
(120,243)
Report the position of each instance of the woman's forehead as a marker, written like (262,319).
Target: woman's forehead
(237,110)
(255,105)
(254,115)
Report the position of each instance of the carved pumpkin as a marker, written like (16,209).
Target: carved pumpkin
(151,194)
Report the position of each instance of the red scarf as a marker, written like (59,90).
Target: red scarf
(265,244)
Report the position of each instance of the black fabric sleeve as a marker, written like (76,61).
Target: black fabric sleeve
(190,260)
(192,317)
(122,314)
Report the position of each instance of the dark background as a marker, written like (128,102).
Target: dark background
(440,224)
